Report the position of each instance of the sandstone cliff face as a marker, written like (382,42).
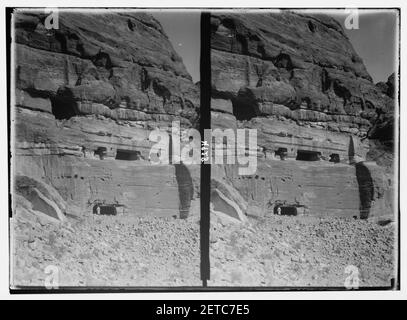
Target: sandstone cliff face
(87,96)
(121,66)
(297,79)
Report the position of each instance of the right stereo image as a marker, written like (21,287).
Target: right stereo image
(304,181)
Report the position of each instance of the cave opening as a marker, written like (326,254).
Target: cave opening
(334,157)
(304,155)
(64,105)
(161,90)
(342,91)
(130,25)
(102,59)
(243,109)
(128,155)
(62,41)
(311,26)
(101,152)
(285,210)
(283,60)
(144,80)
(281,152)
(243,43)
(102,209)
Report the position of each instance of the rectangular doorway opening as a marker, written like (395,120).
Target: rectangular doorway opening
(128,155)
(303,155)
(285,210)
(104,209)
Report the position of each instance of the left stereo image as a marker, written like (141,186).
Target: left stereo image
(105,180)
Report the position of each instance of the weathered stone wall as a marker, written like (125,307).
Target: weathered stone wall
(92,91)
(84,183)
(314,188)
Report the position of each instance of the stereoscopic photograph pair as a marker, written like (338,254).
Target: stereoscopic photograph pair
(203,149)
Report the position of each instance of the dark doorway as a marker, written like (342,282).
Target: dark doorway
(303,155)
(244,109)
(101,209)
(284,61)
(285,210)
(101,152)
(334,157)
(128,155)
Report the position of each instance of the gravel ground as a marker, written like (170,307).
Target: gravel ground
(302,252)
(270,252)
(107,251)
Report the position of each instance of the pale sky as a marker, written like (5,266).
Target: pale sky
(183,28)
(375,41)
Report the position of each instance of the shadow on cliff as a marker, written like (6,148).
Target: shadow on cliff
(351,151)
(366,189)
(365,183)
(185,185)
(185,189)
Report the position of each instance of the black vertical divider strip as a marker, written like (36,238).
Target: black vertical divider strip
(205,123)
(8,13)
